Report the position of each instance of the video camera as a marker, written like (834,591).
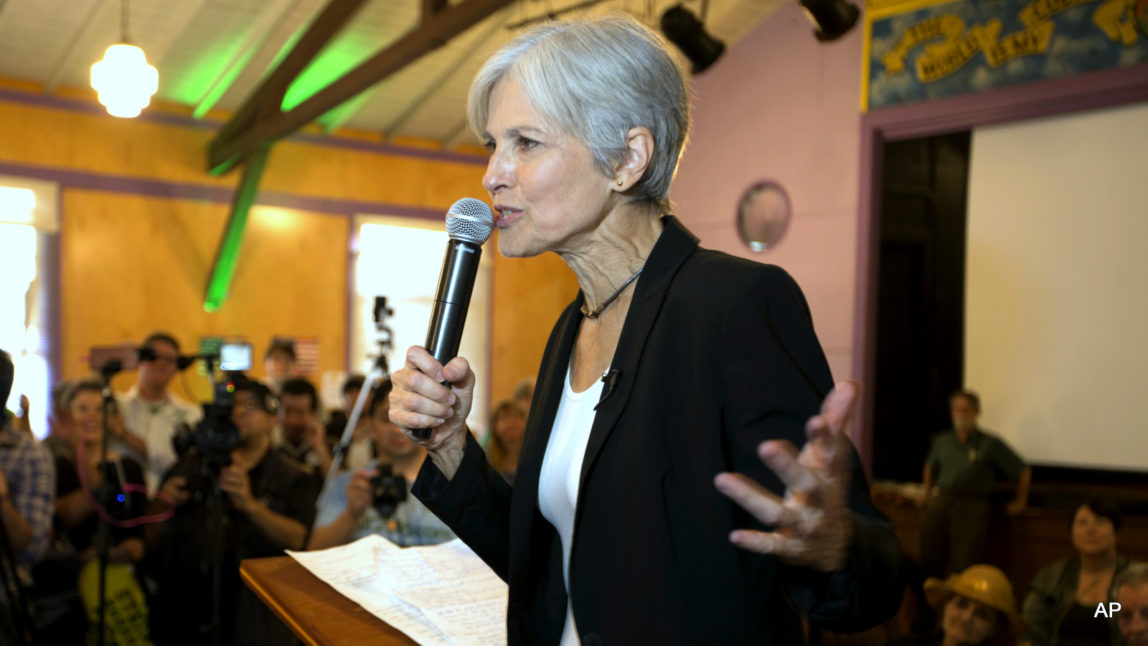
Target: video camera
(388,489)
(206,449)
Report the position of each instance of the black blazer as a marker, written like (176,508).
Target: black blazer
(716,355)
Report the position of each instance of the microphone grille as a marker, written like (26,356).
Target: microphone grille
(469,220)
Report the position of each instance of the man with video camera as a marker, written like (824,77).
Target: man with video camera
(375,499)
(235,499)
(151,411)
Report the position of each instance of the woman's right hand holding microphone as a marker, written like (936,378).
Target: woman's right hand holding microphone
(420,399)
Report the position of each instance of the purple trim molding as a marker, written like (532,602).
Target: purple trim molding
(67,178)
(349,292)
(1095,90)
(55,323)
(155,116)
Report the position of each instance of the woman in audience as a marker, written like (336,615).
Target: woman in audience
(1061,602)
(78,485)
(976,607)
(507,425)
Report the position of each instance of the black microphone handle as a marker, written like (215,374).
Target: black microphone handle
(455,283)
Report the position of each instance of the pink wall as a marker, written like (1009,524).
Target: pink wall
(783,106)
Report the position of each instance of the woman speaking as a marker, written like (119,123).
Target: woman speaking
(684,477)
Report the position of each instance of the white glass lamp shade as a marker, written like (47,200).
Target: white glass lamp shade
(124,80)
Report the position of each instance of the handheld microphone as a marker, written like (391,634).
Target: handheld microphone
(469,223)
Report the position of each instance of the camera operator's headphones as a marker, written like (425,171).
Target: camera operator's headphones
(270,402)
(260,390)
(145,353)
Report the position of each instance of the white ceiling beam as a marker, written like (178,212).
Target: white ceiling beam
(456,135)
(67,57)
(483,39)
(183,13)
(258,38)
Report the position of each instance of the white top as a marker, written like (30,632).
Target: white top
(561,471)
(154,423)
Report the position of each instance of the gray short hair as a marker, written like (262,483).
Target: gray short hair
(595,79)
(1135,574)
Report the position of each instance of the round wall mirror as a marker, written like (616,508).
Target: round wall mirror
(763,215)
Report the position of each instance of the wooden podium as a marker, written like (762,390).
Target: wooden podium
(313,610)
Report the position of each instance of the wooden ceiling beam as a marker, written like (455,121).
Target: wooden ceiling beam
(181,16)
(267,98)
(253,127)
(431,7)
(64,62)
(478,42)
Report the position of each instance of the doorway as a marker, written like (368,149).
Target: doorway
(920,298)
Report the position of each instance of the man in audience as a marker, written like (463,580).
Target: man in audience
(965,464)
(279,363)
(267,505)
(349,510)
(300,432)
(151,412)
(1132,594)
(27,491)
(337,420)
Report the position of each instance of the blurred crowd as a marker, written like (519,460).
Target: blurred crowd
(162,499)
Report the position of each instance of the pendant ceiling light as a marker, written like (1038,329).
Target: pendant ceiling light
(124,80)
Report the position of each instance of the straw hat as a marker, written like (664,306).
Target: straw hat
(982,583)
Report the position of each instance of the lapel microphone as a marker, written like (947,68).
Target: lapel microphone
(610,382)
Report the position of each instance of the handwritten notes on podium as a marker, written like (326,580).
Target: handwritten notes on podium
(436,594)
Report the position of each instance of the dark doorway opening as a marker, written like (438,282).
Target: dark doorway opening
(920,298)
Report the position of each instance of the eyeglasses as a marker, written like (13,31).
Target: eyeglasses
(170,360)
(248,405)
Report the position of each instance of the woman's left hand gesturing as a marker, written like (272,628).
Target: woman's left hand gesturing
(813,527)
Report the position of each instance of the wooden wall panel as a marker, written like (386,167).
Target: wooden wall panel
(101,144)
(133,264)
(528,296)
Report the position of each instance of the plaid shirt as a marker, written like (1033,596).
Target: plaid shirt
(31,476)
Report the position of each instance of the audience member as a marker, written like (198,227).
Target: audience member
(361,450)
(507,426)
(27,484)
(78,486)
(60,616)
(1132,595)
(61,438)
(151,412)
(1060,607)
(974,607)
(300,432)
(22,420)
(346,510)
(279,362)
(965,463)
(523,393)
(266,505)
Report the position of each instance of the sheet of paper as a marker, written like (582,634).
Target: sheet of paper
(435,594)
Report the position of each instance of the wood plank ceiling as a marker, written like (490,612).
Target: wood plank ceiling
(212,54)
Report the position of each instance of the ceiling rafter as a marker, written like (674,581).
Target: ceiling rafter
(182,15)
(267,98)
(260,120)
(258,38)
(60,69)
(434,86)
(454,136)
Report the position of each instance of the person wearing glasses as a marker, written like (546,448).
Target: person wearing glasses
(259,504)
(150,411)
